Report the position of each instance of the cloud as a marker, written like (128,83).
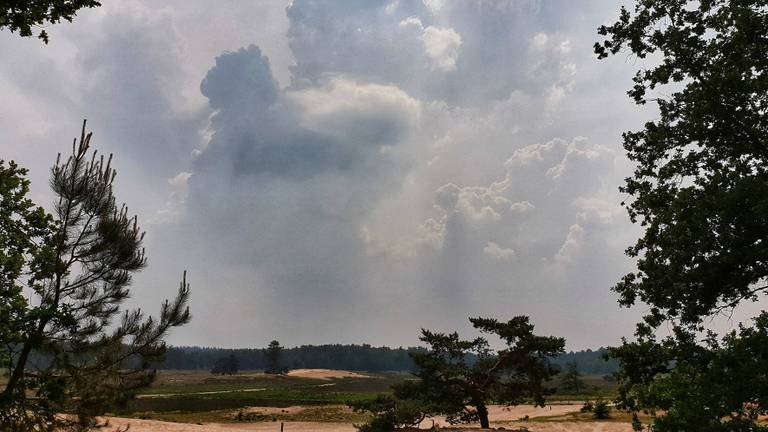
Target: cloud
(479,203)
(442,46)
(345,171)
(366,114)
(498,253)
(572,246)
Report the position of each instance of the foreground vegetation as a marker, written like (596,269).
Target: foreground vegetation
(199,396)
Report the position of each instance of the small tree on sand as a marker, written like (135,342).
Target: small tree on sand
(69,348)
(459,378)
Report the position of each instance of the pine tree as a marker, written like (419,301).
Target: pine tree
(273,355)
(572,379)
(89,354)
(459,378)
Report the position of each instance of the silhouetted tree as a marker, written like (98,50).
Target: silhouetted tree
(571,381)
(273,355)
(77,267)
(700,191)
(459,378)
(228,365)
(22,15)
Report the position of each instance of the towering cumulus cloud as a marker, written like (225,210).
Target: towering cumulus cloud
(423,161)
(363,169)
(290,174)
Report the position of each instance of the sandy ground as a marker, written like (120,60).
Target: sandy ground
(505,415)
(156,426)
(324,374)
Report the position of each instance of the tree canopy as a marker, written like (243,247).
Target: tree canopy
(23,16)
(228,365)
(571,379)
(700,191)
(273,355)
(458,378)
(76,266)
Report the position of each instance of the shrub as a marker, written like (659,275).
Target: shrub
(601,410)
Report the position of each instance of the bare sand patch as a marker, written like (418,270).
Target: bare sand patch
(500,416)
(291,410)
(578,427)
(325,374)
(158,426)
(137,425)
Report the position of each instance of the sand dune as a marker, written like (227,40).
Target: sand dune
(326,374)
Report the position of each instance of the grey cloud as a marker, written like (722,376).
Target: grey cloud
(368,197)
(288,177)
(132,89)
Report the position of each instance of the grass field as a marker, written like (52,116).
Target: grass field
(201,396)
(250,396)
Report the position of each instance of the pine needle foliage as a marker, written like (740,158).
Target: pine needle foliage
(72,351)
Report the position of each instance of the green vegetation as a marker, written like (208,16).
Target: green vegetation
(22,15)
(571,379)
(194,394)
(273,356)
(351,357)
(228,365)
(77,266)
(700,191)
(452,384)
(600,409)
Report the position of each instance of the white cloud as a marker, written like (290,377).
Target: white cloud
(572,246)
(475,202)
(434,6)
(499,253)
(521,207)
(443,46)
(351,110)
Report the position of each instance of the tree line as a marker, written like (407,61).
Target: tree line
(349,357)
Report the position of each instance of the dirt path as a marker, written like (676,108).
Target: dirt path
(166,395)
(157,426)
(501,416)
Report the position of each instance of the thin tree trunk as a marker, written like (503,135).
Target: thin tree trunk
(482,412)
(18,371)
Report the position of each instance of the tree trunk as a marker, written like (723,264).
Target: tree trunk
(18,371)
(482,412)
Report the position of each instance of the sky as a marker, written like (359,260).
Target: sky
(348,171)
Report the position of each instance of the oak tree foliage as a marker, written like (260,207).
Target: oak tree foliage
(24,16)
(700,192)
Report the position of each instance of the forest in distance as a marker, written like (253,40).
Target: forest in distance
(350,357)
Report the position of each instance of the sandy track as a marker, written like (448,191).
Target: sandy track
(501,416)
(156,426)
